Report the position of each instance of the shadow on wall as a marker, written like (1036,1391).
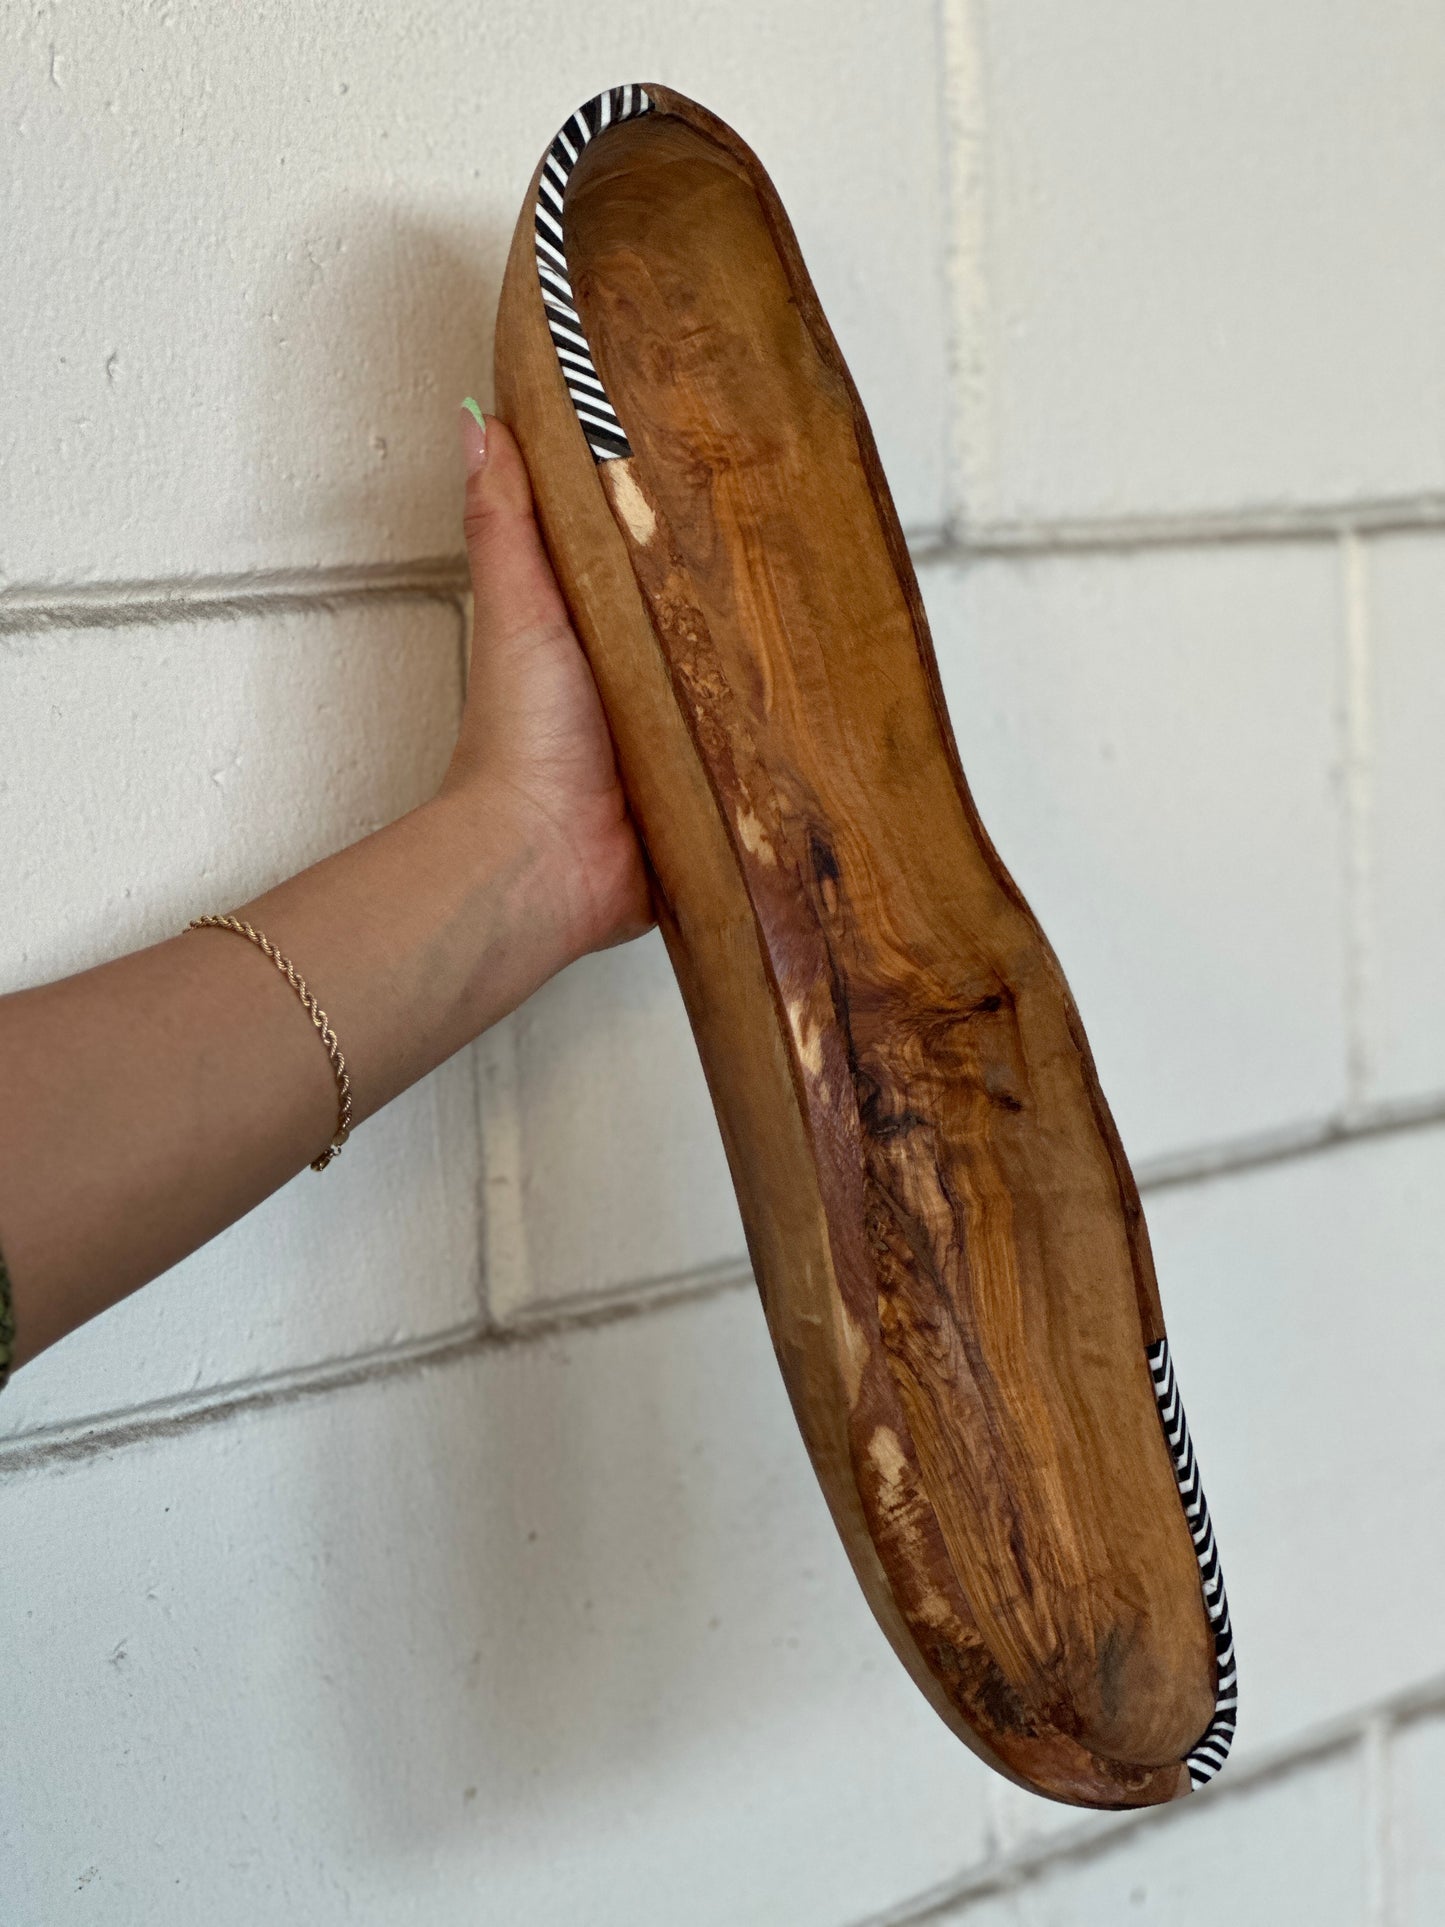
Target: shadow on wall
(377,325)
(511,1616)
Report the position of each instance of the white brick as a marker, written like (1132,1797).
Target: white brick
(147,775)
(1289,1851)
(1417,1825)
(622,1178)
(252,254)
(1406,881)
(1201,255)
(561,1633)
(1151,740)
(1304,1308)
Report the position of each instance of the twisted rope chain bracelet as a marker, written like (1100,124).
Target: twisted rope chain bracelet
(313,1011)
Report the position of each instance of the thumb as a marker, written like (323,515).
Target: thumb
(513,588)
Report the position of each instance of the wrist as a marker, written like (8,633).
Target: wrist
(516,871)
(579,878)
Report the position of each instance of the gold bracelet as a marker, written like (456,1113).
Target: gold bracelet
(314,1012)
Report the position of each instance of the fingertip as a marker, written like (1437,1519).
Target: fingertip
(504,458)
(497,480)
(472,430)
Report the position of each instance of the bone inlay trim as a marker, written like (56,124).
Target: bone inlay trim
(1210,1751)
(594,411)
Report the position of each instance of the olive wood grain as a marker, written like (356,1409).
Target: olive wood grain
(947,1238)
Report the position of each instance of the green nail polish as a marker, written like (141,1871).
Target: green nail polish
(474,409)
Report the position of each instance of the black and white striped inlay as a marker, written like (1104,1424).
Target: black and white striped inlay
(1212,1750)
(595,412)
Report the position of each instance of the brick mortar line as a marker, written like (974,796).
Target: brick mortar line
(1378,1819)
(1304,522)
(71,1441)
(1001,1874)
(963,260)
(1290,1143)
(1356,805)
(652,1294)
(154,601)
(162,600)
(39,608)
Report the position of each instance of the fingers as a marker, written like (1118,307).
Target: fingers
(513,588)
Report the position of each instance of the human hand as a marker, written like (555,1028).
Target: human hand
(533,739)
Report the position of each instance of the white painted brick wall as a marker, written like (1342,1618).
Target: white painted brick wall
(595,1090)
(1153,742)
(1205,244)
(437,1545)
(1404,603)
(558,1633)
(253,253)
(1417,1775)
(1303,1302)
(1293,1851)
(149,772)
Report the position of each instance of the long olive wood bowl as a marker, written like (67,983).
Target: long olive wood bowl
(946,1235)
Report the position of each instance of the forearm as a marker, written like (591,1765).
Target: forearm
(152,1101)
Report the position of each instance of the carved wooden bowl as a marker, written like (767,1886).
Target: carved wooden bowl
(946,1235)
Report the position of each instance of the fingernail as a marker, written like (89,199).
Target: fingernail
(473,425)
